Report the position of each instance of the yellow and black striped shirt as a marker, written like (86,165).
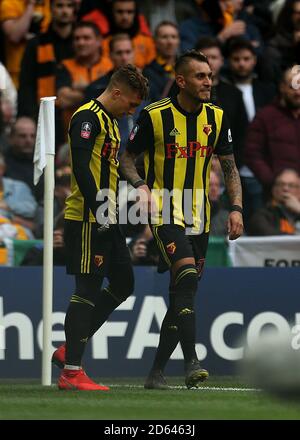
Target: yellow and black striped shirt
(178,150)
(94,140)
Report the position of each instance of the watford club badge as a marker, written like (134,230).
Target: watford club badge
(98,260)
(171,248)
(207,129)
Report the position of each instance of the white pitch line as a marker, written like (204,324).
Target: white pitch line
(181,387)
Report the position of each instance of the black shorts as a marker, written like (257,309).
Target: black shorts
(88,252)
(173,245)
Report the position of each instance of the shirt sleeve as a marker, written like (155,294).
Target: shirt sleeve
(224,144)
(84,129)
(141,137)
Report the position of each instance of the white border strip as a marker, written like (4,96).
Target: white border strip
(181,387)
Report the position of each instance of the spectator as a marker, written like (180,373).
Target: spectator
(34,257)
(8,96)
(283,48)
(219,215)
(138,248)
(121,53)
(281,216)
(226,95)
(98,13)
(17,203)
(74,75)
(12,231)
(19,155)
(125,18)
(273,137)
(261,15)
(222,19)
(61,191)
(256,94)
(160,72)
(21,20)
(37,77)
(175,11)
(101,15)
(242,62)
(63,161)
(143,249)
(3,138)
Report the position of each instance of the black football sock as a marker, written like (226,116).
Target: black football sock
(77,328)
(185,287)
(187,331)
(121,285)
(167,342)
(106,303)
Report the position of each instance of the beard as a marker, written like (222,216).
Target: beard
(202,100)
(205,100)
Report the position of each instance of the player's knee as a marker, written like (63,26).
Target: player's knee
(87,287)
(185,287)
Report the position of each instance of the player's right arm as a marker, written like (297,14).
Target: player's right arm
(84,128)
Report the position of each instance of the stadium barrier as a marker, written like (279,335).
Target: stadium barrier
(271,251)
(231,302)
(14,251)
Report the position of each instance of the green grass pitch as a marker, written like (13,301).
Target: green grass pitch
(218,399)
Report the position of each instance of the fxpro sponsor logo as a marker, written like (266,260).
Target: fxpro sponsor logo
(153,308)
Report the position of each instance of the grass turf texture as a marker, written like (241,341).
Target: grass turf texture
(127,400)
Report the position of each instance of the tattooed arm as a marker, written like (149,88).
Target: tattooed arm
(234,190)
(128,169)
(232,179)
(129,172)
(140,138)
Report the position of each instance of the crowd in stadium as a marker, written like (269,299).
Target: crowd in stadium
(70,49)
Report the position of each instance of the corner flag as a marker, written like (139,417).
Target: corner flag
(44,159)
(45,138)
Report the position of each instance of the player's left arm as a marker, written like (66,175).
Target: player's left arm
(140,136)
(224,150)
(234,191)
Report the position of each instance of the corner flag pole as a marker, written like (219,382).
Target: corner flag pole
(44,158)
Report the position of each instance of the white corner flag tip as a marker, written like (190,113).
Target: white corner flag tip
(45,137)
